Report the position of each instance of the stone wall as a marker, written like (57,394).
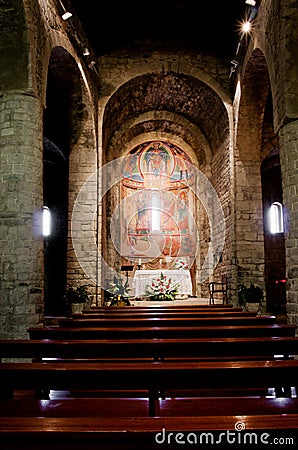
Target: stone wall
(289,159)
(21,270)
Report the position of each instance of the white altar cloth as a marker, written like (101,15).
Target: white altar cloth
(180,277)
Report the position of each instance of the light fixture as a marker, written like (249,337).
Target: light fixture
(46,221)
(276,218)
(92,63)
(67,14)
(246,27)
(86,52)
(250,2)
(235,63)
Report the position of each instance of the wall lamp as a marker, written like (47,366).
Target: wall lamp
(67,14)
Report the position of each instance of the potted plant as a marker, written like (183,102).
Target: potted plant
(119,292)
(77,297)
(251,297)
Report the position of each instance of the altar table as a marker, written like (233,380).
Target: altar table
(144,277)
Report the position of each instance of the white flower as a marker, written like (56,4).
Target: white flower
(181,264)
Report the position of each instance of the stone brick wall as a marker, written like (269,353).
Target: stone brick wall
(289,161)
(21,269)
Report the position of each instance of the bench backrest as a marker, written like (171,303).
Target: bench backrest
(161,332)
(167,321)
(152,377)
(149,348)
(164,314)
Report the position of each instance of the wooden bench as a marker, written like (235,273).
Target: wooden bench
(160,310)
(132,433)
(163,307)
(21,422)
(132,407)
(161,332)
(164,314)
(155,378)
(167,321)
(153,349)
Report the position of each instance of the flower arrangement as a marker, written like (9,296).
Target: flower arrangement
(181,264)
(161,288)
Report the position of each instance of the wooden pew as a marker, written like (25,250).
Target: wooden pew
(161,332)
(132,407)
(132,433)
(154,349)
(167,321)
(152,308)
(156,378)
(30,428)
(164,314)
(159,309)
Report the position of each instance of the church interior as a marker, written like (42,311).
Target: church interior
(149,177)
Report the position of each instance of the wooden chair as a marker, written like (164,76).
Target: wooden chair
(219,287)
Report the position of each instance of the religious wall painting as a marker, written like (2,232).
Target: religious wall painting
(157,217)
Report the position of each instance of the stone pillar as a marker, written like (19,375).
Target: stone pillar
(289,166)
(21,194)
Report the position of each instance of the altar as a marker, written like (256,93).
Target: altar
(179,277)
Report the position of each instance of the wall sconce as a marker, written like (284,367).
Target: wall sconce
(67,14)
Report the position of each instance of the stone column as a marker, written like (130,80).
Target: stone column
(21,197)
(289,167)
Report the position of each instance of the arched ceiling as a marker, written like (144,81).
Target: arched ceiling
(64,94)
(165,94)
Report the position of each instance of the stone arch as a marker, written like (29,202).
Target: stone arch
(69,125)
(162,123)
(255,91)
(172,92)
(276,37)
(159,64)
(113,80)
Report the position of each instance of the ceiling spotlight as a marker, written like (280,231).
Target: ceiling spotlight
(86,52)
(66,15)
(250,2)
(246,27)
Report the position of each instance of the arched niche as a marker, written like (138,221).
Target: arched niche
(257,164)
(63,124)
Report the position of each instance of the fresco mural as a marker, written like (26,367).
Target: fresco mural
(158,203)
